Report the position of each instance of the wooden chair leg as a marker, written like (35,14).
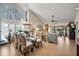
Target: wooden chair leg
(20,48)
(38,45)
(27,52)
(32,49)
(41,43)
(24,54)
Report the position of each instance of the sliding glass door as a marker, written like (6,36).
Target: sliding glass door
(4,29)
(4,33)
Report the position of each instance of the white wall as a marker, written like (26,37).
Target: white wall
(77,26)
(34,19)
(77,16)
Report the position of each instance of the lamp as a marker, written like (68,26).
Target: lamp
(37,29)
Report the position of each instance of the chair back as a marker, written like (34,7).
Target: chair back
(16,38)
(23,41)
(38,35)
(19,38)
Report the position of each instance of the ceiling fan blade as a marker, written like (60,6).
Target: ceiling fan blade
(54,21)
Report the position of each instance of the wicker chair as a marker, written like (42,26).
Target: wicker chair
(19,42)
(26,46)
(16,40)
(38,40)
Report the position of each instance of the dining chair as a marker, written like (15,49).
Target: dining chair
(25,46)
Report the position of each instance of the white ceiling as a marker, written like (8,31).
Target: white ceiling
(64,12)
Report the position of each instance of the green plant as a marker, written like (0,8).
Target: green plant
(19,30)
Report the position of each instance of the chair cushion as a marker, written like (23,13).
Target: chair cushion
(31,38)
(38,40)
(29,43)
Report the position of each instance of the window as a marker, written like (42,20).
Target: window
(22,27)
(10,11)
(12,27)
(4,29)
(18,27)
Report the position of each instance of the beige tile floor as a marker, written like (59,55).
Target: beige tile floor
(65,47)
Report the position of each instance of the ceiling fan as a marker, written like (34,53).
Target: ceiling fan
(53,19)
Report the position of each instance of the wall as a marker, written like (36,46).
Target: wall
(77,26)
(34,19)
